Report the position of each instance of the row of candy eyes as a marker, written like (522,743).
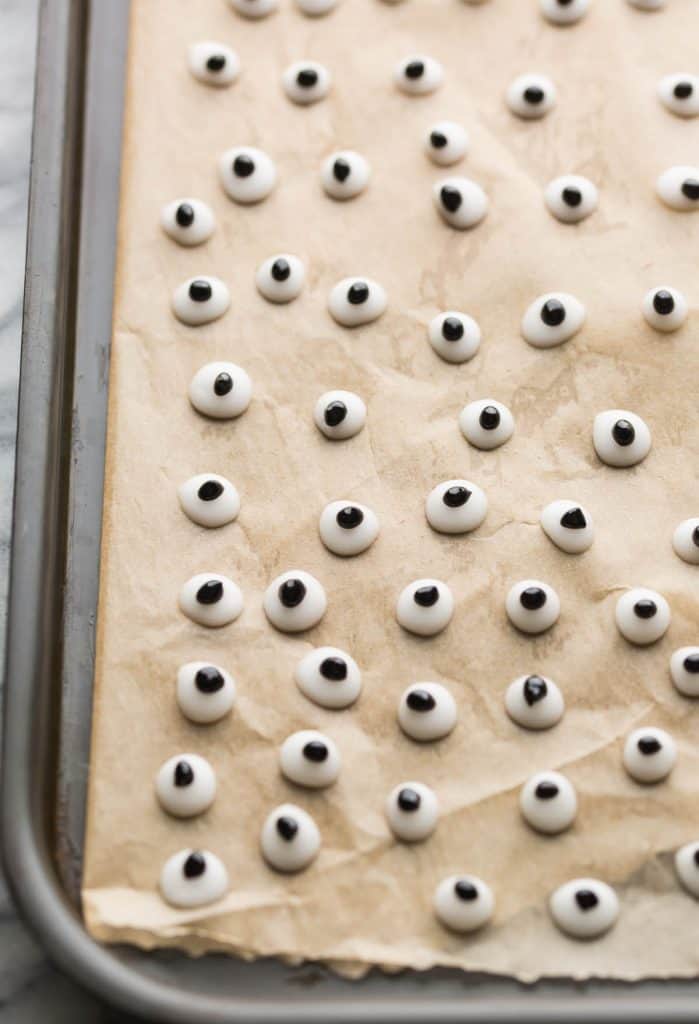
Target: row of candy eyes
(558,12)
(530,95)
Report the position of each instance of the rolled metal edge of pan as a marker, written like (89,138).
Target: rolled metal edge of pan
(69,87)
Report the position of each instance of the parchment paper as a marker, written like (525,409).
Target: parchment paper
(367,899)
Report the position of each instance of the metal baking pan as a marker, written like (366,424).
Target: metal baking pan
(53,599)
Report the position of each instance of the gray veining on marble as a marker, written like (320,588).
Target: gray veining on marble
(31,990)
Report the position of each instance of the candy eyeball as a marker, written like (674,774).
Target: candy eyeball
(425,607)
(665,309)
(200,300)
(356,300)
(315,8)
(254,8)
(329,677)
(678,187)
(210,599)
(455,337)
(446,143)
(463,903)
(220,390)
(461,202)
(685,541)
(193,878)
(532,606)
(306,81)
(412,811)
(679,93)
(584,908)
(552,319)
(214,63)
(564,12)
(185,785)
(647,5)
(347,528)
(486,424)
(209,500)
(534,702)
(188,221)
(456,506)
(290,839)
(309,759)
(205,692)
(642,616)
(426,712)
(247,174)
(684,670)
(295,601)
(280,278)
(687,867)
(339,414)
(531,96)
(418,75)
(649,755)
(568,525)
(344,174)
(621,438)
(548,802)
(571,198)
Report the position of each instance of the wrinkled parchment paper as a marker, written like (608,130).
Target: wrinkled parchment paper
(367,899)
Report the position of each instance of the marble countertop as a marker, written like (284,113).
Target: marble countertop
(31,989)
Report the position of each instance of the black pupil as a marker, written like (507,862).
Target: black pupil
(223,384)
(335,413)
(210,592)
(456,497)
(695,536)
(623,433)
(350,517)
(452,329)
(415,69)
(315,751)
(194,866)
(420,700)
(585,898)
(357,293)
(216,62)
(574,519)
(465,891)
(210,490)
(200,291)
(571,196)
(438,140)
(532,598)
(691,663)
(408,800)
(683,90)
(184,215)
(426,596)
(489,418)
(243,166)
(307,78)
(534,690)
(209,680)
(553,313)
(281,270)
(451,198)
(341,169)
(546,790)
(334,669)
(287,827)
(649,745)
(292,593)
(533,94)
(663,302)
(690,188)
(645,608)
(184,776)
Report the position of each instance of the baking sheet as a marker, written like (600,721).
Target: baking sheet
(367,899)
